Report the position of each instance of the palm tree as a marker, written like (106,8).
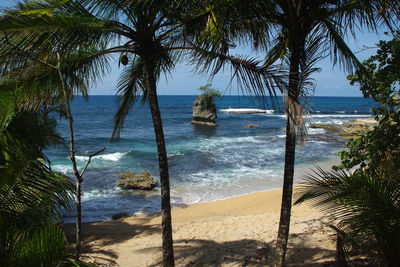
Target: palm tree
(149,37)
(298,33)
(290,26)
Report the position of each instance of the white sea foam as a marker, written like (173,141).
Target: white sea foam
(175,153)
(205,186)
(339,116)
(248,110)
(111,157)
(64,169)
(207,144)
(316,131)
(221,142)
(93,194)
(330,121)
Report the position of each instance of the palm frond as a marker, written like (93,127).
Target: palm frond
(252,77)
(28,189)
(8,105)
(40,246)
(340,52)
(365,205)
(130,86)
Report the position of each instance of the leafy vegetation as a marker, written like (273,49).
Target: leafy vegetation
(210,93)
(380,82)
(31,195)
(363,207)
(364,204)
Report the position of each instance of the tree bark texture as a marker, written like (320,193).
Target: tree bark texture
(290,151)
(166,224)
(78,192)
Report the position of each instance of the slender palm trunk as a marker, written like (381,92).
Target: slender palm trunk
(78,192)
(290,150)
(167,242)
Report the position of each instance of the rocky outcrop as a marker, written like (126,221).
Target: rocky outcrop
(204,111)
(130,180)
(350,130)
(356,127)
(247,125)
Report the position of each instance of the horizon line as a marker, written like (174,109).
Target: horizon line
(226,95)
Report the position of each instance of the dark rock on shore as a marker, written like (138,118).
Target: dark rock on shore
(130,180)
(204,111)
(119,215)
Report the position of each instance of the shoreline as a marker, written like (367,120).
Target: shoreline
(225,232)
(302,170)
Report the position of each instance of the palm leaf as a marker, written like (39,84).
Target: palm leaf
(130,86)
(364,205)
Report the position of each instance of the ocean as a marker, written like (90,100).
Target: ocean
(205,163)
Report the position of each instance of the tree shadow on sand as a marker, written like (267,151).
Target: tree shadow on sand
(99,234)
(245,252)
(301,254)
(113,232)
(200,252)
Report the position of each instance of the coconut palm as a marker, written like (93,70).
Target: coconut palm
(148,36)
(290,26)
(298,33)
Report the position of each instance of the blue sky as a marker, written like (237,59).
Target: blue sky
(183,81)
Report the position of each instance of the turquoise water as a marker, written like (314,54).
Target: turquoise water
(206,163)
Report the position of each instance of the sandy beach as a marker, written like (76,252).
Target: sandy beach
(238,231)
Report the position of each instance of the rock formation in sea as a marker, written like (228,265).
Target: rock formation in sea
(248,125)
(130,180)
(204,111)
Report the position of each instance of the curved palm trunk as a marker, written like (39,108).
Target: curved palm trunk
(290,151)
(167,243)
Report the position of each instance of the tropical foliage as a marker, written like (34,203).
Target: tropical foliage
(381,83)
(31,195)
(364,210)
(364,204)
